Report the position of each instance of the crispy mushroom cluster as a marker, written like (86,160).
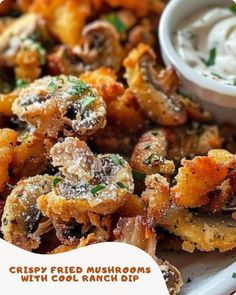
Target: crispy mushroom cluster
(99,142)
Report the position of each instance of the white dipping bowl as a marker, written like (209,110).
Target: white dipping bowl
(217,98)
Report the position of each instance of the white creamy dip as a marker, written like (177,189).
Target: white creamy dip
(207,43)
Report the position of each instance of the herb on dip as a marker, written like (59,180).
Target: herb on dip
(211,58)
(206,41)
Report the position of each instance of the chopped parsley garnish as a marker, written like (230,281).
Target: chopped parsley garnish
(234,275)
(217,75)
(21,83)
(138,175)
(59,79)
(211,58)
(121,185)
(77,86)
(52,86)
(148,161)
(155,158)
(56,181)
(114,19)
(233,8)
(234,83)
(87,101)
(97,188)
(116,160)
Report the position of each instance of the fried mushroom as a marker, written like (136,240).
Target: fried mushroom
(96,184)
(71,233)
(8,140)
(157,196)
(100,47)
(200,176)
(65,19)
(22,29)
(137,232)
(149,155)
(143,80)
(6,102)
(105,81)
(205,233)
(191,140)
(21,216)
(31,157)
(54,104)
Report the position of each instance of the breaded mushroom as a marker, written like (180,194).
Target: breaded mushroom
(149,155)
(21,216)
(143,80)
(96,184)
(67,104)
(137,232)
(8,140)
(201,176)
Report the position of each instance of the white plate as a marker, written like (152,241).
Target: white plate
(209,273)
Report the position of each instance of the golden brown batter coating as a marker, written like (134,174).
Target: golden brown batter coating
(65,19)
(144,82)
(205,233)
(8,139)
(137,232)
(200,176)
(21,216)
(100,47)
(54,104)
(149,155)
(97,184)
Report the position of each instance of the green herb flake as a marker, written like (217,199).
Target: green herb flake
(59,79)
(87,101)
(53,86)
(77,86)
(56,181)
(211,58)
(116,160)
(97,188)
(121,185)
(148,161)
(21,83)
(114,19)
(234,275)
(138,175)
(217,75)
(233,8)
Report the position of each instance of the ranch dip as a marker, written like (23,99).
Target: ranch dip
(207,42)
